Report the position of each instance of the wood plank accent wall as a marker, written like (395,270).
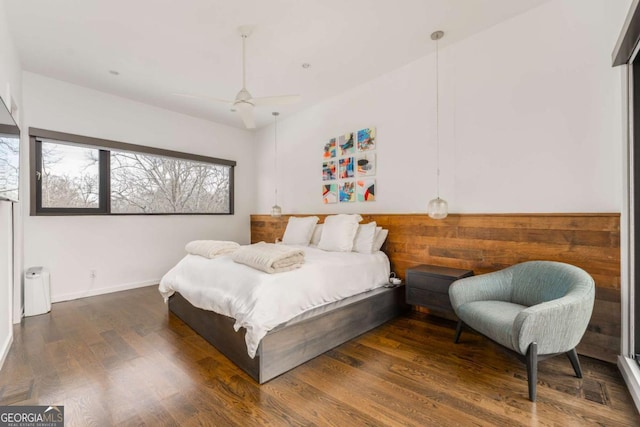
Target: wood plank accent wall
(490,242)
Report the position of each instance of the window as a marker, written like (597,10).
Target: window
(80,175)
(70,176)
(142,183)
(9,165)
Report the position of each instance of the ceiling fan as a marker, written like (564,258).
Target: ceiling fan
(244,102)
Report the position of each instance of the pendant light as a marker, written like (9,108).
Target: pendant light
(437,208)
(276,211)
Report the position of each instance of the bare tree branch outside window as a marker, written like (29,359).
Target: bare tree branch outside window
(9,166)
(70,176)
(143,183)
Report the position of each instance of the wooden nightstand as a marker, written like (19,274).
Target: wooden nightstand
(428,286)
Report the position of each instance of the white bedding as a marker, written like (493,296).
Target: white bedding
(259,301)
(269,257)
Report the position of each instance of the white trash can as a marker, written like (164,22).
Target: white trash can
(37,293)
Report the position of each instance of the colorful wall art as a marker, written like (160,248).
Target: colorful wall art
(347,191)
(329,193)
(347,169)
(348,157)
(347,146)
(367,139)
(366,164)
(366,190)
(329,170)
(330,149)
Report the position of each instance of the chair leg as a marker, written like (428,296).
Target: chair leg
(573,357)
(458,332)
(532,369)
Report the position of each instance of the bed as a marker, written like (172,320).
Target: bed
(275,322)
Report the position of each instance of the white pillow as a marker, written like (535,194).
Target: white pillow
(315,237)
(299,230)
(338,232)
(363,242)
(378,241)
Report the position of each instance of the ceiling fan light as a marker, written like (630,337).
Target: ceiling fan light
(438,208)
(243,96)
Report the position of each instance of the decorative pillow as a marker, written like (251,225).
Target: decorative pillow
(378,230)
(338,232)
(378,241)
(315,237)
(299,230)
(363,242)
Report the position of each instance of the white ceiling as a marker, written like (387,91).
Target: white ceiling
(162,47)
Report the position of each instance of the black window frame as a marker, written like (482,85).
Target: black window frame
(105,146)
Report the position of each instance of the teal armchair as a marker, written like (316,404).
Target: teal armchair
(538,309)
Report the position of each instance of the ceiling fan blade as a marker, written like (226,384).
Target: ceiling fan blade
(207,98)
(246,113)
(277,100)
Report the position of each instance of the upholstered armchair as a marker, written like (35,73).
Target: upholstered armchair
(538,309)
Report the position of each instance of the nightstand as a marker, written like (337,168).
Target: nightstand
(428,286)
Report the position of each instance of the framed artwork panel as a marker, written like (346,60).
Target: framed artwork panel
(366,190)
(329,193)
(347,168)
(329,149)
(346,144)
(366,164)
(329,170)
(367,139)
(347,191)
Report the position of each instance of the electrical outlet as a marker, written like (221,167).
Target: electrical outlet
(92,274)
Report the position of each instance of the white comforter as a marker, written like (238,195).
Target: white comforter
(259,301)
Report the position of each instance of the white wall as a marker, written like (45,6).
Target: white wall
(10,82)
(6,279)
(529,122)
(126,251)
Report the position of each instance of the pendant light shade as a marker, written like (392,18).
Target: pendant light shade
(276,211)
(437,208)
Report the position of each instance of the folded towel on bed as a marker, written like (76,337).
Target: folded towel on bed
(211,248)
(269,257)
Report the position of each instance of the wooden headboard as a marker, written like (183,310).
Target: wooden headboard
(490,242)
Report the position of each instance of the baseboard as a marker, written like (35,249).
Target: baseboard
(5,349)
(102,291)
(631,373)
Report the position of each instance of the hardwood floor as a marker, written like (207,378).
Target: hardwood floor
(120,359)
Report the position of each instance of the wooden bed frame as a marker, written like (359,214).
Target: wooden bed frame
(300,339)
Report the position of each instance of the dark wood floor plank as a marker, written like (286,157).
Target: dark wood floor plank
(453,399)
(259,404)
(438,362)
(326,410)
(391,403)
(121,359)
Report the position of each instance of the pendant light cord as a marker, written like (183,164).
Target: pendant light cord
(437,122)
(275,157)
